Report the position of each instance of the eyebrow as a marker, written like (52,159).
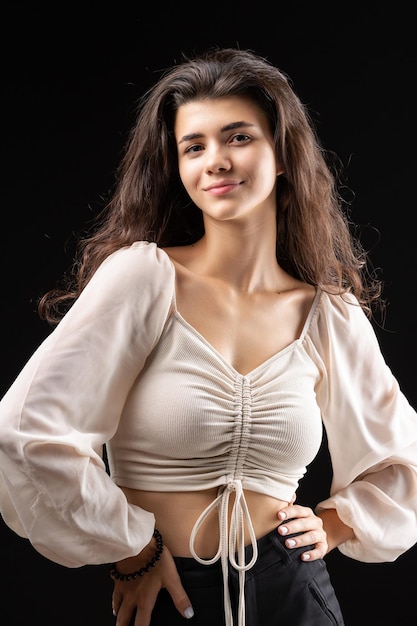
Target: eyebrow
(231,126)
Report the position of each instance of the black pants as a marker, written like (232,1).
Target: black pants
(280,589)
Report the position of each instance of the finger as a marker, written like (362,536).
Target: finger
(172,583)
(302,525)
(123,603)
(316,540)
(303,537)
(311,538)
(134,596)
(143,616)
(118,598)
(145,600)
(125,614)
(180,599)
(318,552)
(115,603)
(294,510)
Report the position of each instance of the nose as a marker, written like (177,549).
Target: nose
(217,161)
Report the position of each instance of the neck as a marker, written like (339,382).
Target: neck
(246,260)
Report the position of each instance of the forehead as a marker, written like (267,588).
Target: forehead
(215,113)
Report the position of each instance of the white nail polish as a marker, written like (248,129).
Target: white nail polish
(290,543)
(188,613)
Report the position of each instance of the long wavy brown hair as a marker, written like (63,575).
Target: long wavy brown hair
(315,237)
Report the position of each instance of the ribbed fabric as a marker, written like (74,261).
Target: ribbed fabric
(193,420)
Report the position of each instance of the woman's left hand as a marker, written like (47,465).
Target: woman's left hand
(301,519)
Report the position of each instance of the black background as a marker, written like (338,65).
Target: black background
(71,76)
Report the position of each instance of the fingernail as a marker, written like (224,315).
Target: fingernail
(290,543)
(281,515)
(114,613)
(188,613)
(305,556)
(283,530)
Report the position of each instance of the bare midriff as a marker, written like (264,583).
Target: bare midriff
(177,512)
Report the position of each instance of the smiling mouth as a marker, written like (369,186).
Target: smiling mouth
(222,188)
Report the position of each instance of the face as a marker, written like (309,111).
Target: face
(226,157)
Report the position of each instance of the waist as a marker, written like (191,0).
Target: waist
(176,514)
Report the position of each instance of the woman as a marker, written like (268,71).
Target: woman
(215,319)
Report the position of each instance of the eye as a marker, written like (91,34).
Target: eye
(194,148)
(241,138)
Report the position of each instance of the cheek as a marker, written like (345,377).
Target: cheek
(189,176)
(266,171)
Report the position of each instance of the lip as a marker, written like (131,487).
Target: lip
(222,187)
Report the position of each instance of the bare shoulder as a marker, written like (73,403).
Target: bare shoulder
(181,255)
(299,293)
(183,259)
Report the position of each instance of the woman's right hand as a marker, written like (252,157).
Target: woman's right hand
(140,594)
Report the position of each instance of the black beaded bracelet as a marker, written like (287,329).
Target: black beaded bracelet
(143,570)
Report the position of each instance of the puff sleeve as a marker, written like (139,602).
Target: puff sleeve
(66,403)
(372,434)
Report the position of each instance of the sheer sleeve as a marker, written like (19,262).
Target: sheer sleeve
(372,434)
(66,403)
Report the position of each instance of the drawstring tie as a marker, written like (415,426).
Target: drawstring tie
(231,542)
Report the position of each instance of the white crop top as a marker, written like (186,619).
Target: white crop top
(123,368)
(192,419)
